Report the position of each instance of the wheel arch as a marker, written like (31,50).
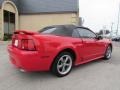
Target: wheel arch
(70,51)
(110,44)
(65,50)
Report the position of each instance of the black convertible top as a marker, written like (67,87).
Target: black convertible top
(62,30)
(69,26)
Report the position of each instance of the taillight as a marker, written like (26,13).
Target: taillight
(27,44)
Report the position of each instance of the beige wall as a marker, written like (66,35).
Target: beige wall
(0,24)
(35,22)
(38,21)
(9,7)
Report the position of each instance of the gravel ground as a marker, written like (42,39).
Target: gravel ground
(96,75)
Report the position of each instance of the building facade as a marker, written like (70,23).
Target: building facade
(35,14)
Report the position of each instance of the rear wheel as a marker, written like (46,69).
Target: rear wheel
(62,64)
(108,53)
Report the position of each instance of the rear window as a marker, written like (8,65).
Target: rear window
(60,31)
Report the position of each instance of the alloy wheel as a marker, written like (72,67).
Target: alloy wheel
(64,64)
(108,52)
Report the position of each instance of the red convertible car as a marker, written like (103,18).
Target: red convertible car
(57,49)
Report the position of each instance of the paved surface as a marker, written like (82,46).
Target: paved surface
(97,75)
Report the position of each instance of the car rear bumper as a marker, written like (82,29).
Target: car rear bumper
(28,60)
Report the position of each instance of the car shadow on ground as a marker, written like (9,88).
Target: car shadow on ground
(35,75)
(88,64)
(49,75)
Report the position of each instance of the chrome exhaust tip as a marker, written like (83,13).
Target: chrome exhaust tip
(22,70)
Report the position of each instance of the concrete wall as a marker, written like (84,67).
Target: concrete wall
(37,21)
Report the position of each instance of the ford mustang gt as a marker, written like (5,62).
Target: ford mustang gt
(57,49)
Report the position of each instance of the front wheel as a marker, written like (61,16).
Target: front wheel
(62,64)
(108,53)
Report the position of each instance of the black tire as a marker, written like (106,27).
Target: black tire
(108,52)
(58,59)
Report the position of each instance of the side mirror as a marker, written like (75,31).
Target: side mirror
(99,37)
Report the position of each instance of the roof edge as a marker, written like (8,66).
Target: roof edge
(59,12)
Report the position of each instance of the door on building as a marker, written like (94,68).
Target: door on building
(9,23)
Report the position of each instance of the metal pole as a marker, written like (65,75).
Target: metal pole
(111,33)
(104,31)
(118,20)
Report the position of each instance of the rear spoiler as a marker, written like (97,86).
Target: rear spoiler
(24,32)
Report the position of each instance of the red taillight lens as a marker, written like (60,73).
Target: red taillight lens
(27,44)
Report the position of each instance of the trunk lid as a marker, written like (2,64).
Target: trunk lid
(24,40)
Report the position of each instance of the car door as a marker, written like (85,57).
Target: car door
(92,47)
(78,46)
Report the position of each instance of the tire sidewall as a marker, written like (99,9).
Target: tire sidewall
(54,65)
(106,57)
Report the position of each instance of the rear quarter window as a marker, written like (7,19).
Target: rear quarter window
(61,31)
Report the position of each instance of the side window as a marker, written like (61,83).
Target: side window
(61,31)
(75,34)
(85,33)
